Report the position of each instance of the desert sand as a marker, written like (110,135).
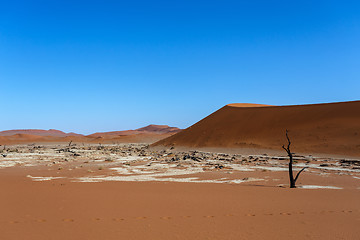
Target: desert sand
(225,177)
(65,210)
(131,191)
(332,128)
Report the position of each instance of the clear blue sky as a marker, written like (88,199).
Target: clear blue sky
(88,66)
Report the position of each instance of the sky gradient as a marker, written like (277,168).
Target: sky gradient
(88,66)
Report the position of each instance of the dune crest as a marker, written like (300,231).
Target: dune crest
(246,105)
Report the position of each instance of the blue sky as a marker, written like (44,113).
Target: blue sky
(88,66)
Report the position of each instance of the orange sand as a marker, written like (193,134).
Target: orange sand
(332,128)
(60,210)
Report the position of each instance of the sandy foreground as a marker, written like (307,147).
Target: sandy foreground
(132,192)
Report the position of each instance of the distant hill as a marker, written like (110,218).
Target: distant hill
(153,129)
(38,132)
(332,128)
(148,134)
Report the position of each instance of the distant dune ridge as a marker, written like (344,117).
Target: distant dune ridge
(157,129)
(332,128)
(38,132)
(146,134)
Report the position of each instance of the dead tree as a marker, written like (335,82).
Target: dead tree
(290,154)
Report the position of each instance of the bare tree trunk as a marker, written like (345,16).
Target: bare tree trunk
(291,175)
(292,182)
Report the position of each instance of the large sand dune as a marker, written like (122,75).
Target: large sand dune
(332,128)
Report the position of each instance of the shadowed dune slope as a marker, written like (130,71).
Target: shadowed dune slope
(332,128)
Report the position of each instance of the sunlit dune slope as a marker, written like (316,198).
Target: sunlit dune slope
(318,128)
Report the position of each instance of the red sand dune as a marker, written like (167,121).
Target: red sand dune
(134,138)
(38,132)
(157,129)
(148,134)
(23,138)
(332,128)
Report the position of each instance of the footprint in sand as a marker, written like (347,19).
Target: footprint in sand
(139,218)
(210,216)
(165,218)
(284,214)
(68,220)
(269,214)
(96,219)
(250,215)
(13,222)
(41,220)
(118,219)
